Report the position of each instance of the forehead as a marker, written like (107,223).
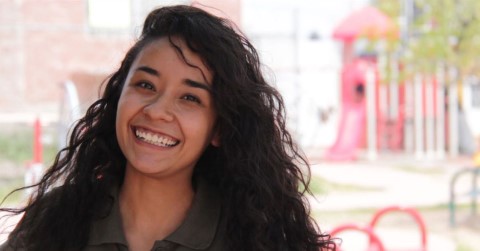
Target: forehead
(172,50)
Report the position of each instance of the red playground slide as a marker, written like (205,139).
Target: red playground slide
(350,134)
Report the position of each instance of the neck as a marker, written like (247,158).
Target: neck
(155,208)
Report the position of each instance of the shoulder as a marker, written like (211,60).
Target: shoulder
(5,247)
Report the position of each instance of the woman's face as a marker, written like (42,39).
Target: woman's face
(165,117)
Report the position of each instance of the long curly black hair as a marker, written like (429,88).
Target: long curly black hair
(261,174)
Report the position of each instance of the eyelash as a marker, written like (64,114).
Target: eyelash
(145,85)
(191,98)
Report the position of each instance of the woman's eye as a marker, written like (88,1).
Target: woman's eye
(191,98)
(145,85)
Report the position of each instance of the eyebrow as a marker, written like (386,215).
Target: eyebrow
(148,70)
(196,84)
(188,82)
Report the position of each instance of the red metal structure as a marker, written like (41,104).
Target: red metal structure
(375,243)
(369,22)
(352,126)
(412,212)
(37,144)
(34,169)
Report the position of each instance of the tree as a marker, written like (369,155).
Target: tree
(438,31)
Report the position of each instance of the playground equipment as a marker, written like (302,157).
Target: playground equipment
(375,242)
(69,111)
(356,85)
(420,114)
(361,119)
(34,170)
(475,172)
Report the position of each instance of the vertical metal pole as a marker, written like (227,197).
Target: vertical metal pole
(393,88)
(383,103)
(451,203)
(453,114)
(418,121)
(69,112)
(429,118)
(440,112)
(394,102)
(475,190)
(371,115)
(409,132)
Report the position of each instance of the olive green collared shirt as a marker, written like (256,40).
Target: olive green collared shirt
(202,229)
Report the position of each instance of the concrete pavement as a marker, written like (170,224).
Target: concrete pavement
(401,181)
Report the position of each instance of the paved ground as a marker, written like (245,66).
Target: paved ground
(361,188)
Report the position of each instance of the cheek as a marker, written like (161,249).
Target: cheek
(121,120)
(126,105)
(120,111)
(118,123)
(198,125)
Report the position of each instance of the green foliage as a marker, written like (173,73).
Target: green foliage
(440,31)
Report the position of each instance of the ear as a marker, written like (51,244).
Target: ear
(215,139)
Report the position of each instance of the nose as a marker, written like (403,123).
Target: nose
(160,108)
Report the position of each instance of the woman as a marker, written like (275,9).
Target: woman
(187,149)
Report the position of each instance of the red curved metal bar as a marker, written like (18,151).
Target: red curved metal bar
(374,239)
(412,212)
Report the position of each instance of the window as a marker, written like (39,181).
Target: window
(109,15)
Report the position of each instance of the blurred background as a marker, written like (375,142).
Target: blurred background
(382,95)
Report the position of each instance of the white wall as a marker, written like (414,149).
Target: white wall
(306,70)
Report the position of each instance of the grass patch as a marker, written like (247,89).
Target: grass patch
(16,146)
(463,247)
(7,186)
(319,186)
(16,150)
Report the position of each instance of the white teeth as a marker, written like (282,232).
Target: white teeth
(155,139)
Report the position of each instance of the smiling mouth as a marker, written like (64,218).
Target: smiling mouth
(154,138)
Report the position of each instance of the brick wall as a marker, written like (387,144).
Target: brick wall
(10,50)
(46,42)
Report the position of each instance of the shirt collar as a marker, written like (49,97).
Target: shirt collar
(110,228)
(196,232)
(200,226)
